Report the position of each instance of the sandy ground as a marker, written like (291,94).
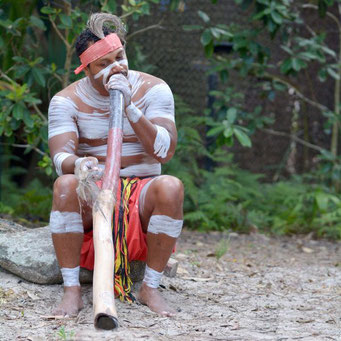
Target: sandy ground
(259,289)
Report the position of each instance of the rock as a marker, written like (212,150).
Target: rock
(29,254)
(171,267)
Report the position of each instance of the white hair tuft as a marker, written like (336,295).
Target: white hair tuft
(97,20)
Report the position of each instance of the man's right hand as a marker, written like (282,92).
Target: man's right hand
(87,168)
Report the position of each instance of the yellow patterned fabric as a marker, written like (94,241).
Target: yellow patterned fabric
(123,281)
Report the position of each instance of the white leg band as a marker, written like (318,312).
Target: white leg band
(66,222)
(152,277)
(133,113)
(162,142)
(70,276)
(58,160)
(164,224)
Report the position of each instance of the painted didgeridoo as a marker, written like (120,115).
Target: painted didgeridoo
(105,314)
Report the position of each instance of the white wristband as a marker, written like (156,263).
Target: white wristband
(133,113)
(58,161)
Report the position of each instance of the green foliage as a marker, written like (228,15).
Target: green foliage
(229,198)
(29,205)
(304,46)
(222,248)
(63,334)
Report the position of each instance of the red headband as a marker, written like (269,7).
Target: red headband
(99,49)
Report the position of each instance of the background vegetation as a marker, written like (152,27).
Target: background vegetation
(37,57)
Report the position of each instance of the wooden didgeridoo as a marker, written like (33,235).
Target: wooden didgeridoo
(105,314)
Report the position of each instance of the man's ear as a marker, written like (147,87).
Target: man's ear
(87,70)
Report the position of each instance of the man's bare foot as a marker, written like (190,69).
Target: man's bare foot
(71,303)
(152,298)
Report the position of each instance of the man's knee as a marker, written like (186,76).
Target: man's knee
(169,189)
(65,184)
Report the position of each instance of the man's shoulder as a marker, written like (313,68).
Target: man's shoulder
(69,91)
(148,80)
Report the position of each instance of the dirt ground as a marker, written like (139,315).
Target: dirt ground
(260,288)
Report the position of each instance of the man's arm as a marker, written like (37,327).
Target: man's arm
(147,131)
(156,129)
(63,149)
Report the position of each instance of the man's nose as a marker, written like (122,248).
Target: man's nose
(116,68)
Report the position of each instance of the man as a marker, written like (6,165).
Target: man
(78,130)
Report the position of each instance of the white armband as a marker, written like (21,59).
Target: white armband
(162,142)
(133,113)
(58,160)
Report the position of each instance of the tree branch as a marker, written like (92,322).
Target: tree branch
(158,25)
(299,94)
(24,146)
(35,107)
(329,14)
(293,137)
(58,32)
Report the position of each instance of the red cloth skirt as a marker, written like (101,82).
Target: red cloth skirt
(136,239)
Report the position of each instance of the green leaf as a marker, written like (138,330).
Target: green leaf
(28,119)
(18,111)
(322,200)
(38,76)
(276,17)
(333,73)
(228,132)
(37,22)
(298,64)
(47,10)
(21,71)
(206,37)
(66,20)
(215,131)
(209,49)
(204,16)
(243,139)
(231,115)
(286,66)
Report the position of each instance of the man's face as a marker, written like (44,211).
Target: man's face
(103,68)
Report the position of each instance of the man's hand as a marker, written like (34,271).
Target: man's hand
(87,168)
(120,82)
(87,172)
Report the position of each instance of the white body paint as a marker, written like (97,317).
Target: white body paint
(58,160)
(152,277)
(162,142)
(164,224)
(105,72)
(70,276)
(65,116)
(65,222)
(133,113)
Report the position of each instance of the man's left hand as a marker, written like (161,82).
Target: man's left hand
(119,82)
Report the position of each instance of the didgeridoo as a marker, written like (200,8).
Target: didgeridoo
(105,314)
